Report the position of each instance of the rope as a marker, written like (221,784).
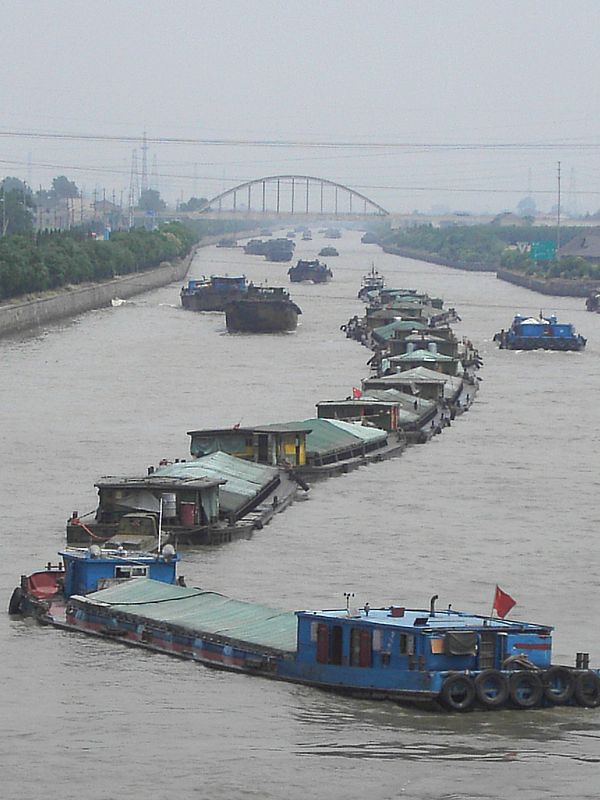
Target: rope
(77,521)
(156,602)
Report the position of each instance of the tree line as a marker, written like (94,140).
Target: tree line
(493,246)
(54,259)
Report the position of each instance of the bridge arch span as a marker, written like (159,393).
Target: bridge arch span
(300,185)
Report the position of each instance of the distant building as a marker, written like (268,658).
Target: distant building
(508,218)
(584,245)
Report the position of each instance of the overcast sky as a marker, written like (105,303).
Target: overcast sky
(521,75)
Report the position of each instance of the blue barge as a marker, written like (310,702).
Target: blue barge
(544,333)
(444,658)
(213,294)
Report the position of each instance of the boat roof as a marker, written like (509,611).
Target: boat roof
(243,479)
(326,435)
(404,413)
(423,336)
(249,429)
(162,482)
(408,377)
(420,620)
(387,331)
(421,355)
(118,554)
(199,610)
(396,396)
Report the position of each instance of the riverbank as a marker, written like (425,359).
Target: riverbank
(430,258)
(561,287)
(24,314)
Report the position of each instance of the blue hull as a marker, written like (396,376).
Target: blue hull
(417,686)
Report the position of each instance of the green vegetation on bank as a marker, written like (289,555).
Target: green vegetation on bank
(57,258)
(492,246)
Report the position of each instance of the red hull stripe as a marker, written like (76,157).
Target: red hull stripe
(531,646)
(165,646)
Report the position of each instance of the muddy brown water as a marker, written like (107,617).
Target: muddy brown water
(507,495)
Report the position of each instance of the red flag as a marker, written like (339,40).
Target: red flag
(503,603)
(356,393)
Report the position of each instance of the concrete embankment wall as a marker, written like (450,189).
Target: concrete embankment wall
(435,259)
(19,316)
(562,287)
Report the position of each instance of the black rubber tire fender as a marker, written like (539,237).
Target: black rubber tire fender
(491,688)
(587,689)
(458,693)
(14,604)
(529,682)
(559,685)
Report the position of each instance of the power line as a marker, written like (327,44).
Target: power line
(293,143)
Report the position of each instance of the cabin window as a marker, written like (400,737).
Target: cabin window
(322,644)
(407,644)
(461,643)
(360,648)
(335,653)
(131,572)
(329,644)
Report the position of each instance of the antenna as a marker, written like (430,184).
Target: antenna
(558,216)
(348,595)
(134,191)
(160,515)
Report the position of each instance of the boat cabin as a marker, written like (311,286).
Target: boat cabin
(430,387)
(415,641)
(92,568)
(425,340)
(429,358)
(266,444)
(190,502)
(378,413)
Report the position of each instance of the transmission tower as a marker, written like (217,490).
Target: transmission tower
(144,163)
(134,188)
(572,199)
(154,174)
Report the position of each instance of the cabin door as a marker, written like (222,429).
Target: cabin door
(263,448)
(487,650)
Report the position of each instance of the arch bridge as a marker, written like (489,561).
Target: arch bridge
(295,194)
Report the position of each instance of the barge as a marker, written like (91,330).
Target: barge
(255,247)
(371,282)
(592,302)
(279,249)
(212,294)
(314,271)
(212,499)
(543,333)
(263,309)
(442,658)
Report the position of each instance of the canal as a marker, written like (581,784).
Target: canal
(508,495)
